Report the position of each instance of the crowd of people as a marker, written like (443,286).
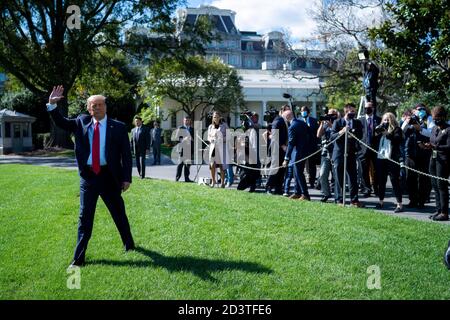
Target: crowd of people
(413,151)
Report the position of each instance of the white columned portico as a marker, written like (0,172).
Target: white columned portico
(314,108)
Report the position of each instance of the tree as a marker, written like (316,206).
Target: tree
(44,43)
(417,40)
(196,84)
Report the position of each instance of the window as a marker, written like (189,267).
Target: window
(173,121)
(7,130)
(249,46)
(0,130)
(26,130)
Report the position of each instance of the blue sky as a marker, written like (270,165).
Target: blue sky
(268,15)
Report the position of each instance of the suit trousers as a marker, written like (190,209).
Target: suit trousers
(140,163)
(187,171)
(301,188)
(369,176)
(157,154)
(276,180)
(91,187)
(338,167)
(440,168)
(416,182)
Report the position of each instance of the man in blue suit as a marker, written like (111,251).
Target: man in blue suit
(351,124)
(313,125)
(103,156)
(298,138)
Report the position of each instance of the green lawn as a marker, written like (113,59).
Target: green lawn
(201,243)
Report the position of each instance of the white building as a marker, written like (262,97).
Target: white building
(15,132)
(259,63)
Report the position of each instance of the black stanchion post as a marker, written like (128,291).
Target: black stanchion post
(344,193)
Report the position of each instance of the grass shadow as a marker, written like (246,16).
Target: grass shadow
(197,266)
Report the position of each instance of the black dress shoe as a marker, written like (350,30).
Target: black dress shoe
(76,264)
(441,217)
(433,215)
(130,247)
(324,199)
(188,180)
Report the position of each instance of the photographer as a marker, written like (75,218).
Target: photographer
(370,82)
(324,133)
(417,157)
(440,161)
(278,147)
(390,143)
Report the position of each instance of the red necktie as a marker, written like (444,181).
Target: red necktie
(96,149)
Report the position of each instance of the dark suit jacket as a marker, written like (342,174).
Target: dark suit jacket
(298,136)
(117,145)
(339,145)
(142,143)
(375,141)
(441,140)
(280,124)
(155,137)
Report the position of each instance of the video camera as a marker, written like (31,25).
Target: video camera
(270,115)
(246,120)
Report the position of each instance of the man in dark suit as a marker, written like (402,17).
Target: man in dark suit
(104,161)
(313,126)
(367,157)
(278,146)
(185,163)
(340,126)
(155,135)
(298,138)
(140,143)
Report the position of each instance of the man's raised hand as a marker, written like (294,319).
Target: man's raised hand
(56,94)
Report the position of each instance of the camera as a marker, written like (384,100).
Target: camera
(328,117)
(381,128)
(270,115)
(414,120)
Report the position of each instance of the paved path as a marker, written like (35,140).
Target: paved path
(166,171)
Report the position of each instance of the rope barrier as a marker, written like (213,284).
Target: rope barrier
(402,165)
(279,167)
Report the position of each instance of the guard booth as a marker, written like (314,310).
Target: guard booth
(15,132)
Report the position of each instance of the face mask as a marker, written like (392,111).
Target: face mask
(439,122)
(304,114)
(385,125)
(369,111)
(351,115)
(422,114)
